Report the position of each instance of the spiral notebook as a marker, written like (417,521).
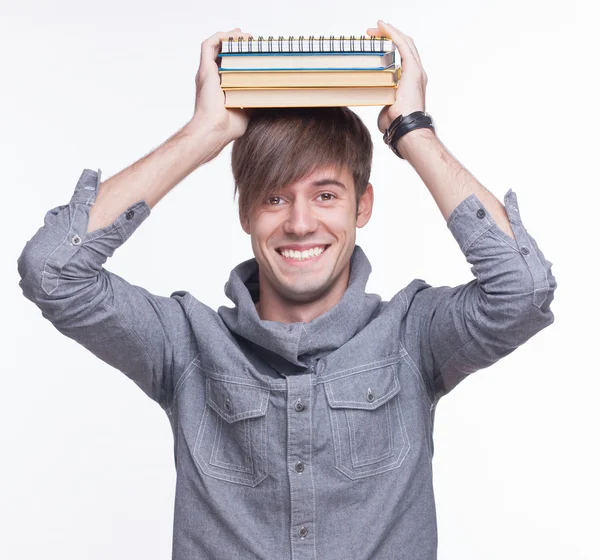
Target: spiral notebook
(306,61)
(311,43)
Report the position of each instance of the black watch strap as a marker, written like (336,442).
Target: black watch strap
(404,124)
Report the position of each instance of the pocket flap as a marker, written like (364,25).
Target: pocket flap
(234,401)
(365,390)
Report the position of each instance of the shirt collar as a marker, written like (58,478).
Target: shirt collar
(299,342)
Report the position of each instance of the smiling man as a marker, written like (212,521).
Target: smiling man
(303,237)
(303,415)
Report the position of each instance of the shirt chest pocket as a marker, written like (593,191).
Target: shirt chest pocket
(368,429)
(231,444)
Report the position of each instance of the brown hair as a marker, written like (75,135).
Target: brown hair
(284,145)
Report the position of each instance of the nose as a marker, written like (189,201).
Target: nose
(300,219)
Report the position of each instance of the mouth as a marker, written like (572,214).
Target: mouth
(299,255)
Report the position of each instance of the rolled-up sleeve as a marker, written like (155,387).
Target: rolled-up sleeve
(465,328)
(61,270)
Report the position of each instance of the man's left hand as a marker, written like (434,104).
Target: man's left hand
(410,93)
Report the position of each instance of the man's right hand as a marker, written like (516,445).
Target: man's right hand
(211,128)
(210,100)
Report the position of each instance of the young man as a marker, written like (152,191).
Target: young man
(303,416)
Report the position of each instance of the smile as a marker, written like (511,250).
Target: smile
(311,253)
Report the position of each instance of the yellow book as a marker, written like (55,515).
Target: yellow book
(309,97)
(306,78)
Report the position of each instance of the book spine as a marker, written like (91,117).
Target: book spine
(312,43)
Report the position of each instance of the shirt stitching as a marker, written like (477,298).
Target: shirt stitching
(46,263)
(362,368)
(423,383)
(312,474)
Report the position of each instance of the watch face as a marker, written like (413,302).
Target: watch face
(389,133)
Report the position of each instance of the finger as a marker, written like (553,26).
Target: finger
(214,41)
(397,35)
(210,47)
(410,41)
(410,59)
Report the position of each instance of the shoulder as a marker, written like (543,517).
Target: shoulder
(405,298)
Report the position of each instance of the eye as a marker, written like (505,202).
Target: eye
(327,196)
(274,201)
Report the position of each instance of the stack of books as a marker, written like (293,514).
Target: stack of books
(308,72)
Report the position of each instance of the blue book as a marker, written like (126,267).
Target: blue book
(306,61)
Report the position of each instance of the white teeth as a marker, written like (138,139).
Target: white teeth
(300,256)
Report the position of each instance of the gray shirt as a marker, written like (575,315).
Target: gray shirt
(295,440)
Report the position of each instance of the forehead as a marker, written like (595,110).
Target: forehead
(326,176)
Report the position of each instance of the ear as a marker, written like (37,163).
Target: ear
(245,223)
(365,207)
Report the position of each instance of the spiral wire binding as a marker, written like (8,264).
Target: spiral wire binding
(311,40)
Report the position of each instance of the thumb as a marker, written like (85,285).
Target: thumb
(382,119)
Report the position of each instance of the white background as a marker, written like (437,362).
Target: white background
(86,458)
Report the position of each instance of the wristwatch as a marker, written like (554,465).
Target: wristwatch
(403,124)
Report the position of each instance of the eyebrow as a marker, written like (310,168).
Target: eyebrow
(328,181)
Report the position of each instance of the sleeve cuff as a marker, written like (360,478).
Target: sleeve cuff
(470,220)
(70,223)
(85,195)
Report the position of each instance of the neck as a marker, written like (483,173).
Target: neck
(274,307)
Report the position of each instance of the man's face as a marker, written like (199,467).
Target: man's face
(303,235)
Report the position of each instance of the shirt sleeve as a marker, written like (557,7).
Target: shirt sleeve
(469,327)
(61,269)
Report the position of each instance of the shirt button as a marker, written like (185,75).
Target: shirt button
(524,250)
(299,406)
(129,214)
(76,240)
(299,467)
(228,406)
(370,395)
(480,213)
(303,531)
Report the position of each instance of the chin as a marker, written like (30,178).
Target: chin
(303,293)
(306,290)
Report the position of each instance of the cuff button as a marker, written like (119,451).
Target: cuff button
(129,215)
(480,213)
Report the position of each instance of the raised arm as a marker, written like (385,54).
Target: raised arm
(458,330)
(211,128)
(447,180)
(61,267)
